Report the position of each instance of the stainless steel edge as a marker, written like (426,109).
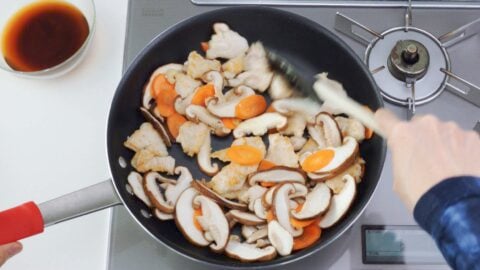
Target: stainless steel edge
(373,4)
(79,203)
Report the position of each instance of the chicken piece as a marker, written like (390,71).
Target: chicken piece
(351,127)
(192,136)
(231,179)
(226,43)
(146,137)
(281,152)
(256,79)
(197,65)
(233,67)
(256,58)
(280,88)
(185,85)
(327,106)
(255,141)
(296,124)
(145,160)
(309,146)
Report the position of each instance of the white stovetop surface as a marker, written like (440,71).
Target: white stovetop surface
(52,141)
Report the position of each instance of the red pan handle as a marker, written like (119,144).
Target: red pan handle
(20,222)
(29,219)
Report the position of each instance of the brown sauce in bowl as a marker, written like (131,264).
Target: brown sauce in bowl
(42,35)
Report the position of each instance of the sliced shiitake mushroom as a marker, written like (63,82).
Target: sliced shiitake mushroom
(161,215)
(204,160)
(340,203)
(248,252)
(254,192)
(184,218)
(281,208)
(304,106)
(259,125)
(331,131)
(151,188)
(258,234)
(226,106)
(172,192)
(213,222)
(135,180)
(202,188)
(280,238)
(278,174)
(248,230)
(246,218)
(159,127)
(316,203)
(147,94)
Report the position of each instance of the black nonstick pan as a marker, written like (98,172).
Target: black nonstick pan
(308,46)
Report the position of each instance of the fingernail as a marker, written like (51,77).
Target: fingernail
(14,249)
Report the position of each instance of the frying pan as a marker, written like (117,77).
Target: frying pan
(309,47)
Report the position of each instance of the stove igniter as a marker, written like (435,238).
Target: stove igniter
(408,59)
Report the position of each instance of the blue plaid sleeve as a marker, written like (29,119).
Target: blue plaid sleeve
(450,213)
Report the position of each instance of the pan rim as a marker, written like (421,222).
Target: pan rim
(275,262)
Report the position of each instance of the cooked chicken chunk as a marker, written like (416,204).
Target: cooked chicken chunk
(192,136)
(233,66)
(145,161)
(226,43)
(231,178)
(281,152)
(185,85)
(146,137)
(351,127)
(197,65)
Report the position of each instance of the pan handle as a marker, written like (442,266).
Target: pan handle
(30,219)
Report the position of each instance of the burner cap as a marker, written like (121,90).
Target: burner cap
(409,55)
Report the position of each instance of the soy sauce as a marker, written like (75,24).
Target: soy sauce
(43,34)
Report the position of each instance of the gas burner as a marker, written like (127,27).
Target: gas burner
(410,65)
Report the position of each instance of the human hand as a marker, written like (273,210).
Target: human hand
(9,250)
(426,151)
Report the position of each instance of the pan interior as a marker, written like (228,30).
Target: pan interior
(309,47)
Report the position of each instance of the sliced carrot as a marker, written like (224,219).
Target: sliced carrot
(265,165)
(270,216)
(230,122)
(196,213)
(271,108)
(297,223)
(267,184)
(250,106)
(244,154)
(310,235)
(160,83)
(318,160)
(174,122)
(202,93)
(204,46)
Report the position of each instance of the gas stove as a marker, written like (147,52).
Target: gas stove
(425,58)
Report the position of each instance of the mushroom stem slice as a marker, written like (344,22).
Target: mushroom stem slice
(278,174)
(135,180)
(340,203)
(258,234)
(204,160)
(173,192)
(281,208)
(150,185)
(316,203)
(213,222)
(248,252)
(259,125)
(280,238)
(246,218)
(184,218)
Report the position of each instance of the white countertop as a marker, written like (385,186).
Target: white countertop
(52,141)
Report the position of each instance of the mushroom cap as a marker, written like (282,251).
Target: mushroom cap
(184,218)
(259,125)
(280,238)
(213,222)
(278,174)
(206,191)
(340,203)
(248,252)
(316,202)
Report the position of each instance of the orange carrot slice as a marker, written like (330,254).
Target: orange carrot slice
(297,223)
(270,216)
(174,122)
(230,122)
(196,213)
(204,46)
(164,94)
(311,234)
(160,83)
(244,154)
(267,184)
(202,93)
(250,106)
(318,160)
(265,165)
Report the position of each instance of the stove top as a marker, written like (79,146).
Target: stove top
(394,238)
